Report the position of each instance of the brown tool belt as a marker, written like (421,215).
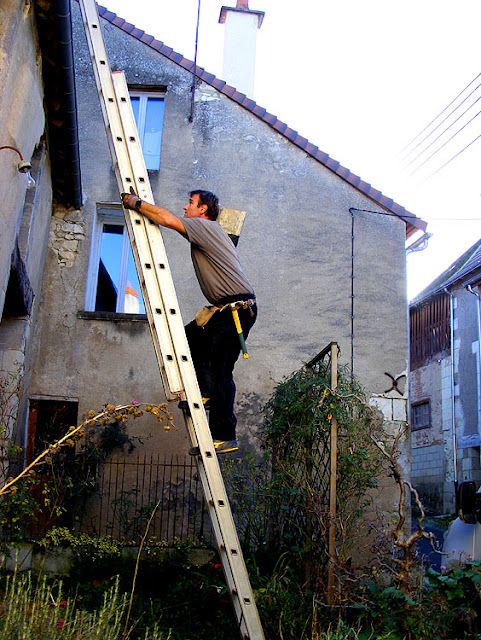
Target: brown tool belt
(242,300)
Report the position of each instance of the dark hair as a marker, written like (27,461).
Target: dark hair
(209,199)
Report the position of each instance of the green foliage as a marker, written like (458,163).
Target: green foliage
(296,435)
(39,612)
(10,387)
(83,546)
(68,473)
(15,510)
(72,474)
(170,593)
(247,481)
(131,519)
(446,604)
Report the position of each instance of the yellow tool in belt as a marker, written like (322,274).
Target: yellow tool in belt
(234,306)
(235,315)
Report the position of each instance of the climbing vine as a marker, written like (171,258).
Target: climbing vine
(296,435)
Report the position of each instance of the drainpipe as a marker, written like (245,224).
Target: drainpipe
(478,307)
(453,413)
(65,45)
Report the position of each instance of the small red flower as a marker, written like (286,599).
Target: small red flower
(217,566)
(60,624)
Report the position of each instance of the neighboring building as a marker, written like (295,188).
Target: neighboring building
(445,384)
(324,250)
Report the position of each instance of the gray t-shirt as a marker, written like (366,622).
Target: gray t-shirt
(215,260)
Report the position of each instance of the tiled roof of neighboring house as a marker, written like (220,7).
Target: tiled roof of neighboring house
(467,268)
(413,223)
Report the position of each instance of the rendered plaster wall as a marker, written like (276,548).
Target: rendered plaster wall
(295,247)
(21,118)
(24,214)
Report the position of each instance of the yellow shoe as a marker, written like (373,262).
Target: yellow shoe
(220,446)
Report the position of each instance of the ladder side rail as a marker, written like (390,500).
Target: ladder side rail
(212,481)
(135,222)
(208,464)
(229,549)
(153,235)
(157,249)
(231,557)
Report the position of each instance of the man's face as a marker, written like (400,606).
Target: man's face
(192,209)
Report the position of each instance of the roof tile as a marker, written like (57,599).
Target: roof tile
(311,148)
(146,38)
(129,27)
(279,126)
(208,77)
(238,96)
(332,164)
(300,141)
(218,84)
(260,112)
(343,172)
(353,179)
(228,90)
(248,103)
(105,13)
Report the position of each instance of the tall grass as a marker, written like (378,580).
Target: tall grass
(37,611)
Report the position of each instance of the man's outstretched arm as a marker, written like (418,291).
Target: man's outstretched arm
(159,215)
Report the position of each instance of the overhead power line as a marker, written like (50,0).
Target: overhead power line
(441,113)
(445,130)
(447,141)
(455,156)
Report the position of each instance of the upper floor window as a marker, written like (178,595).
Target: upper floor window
(421,415)
(148,111)
(113,284)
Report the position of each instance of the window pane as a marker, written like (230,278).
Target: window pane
(109,268)
(153,132)
(135,108)
(420,415)
(134,302)
(417,416)
(116,288)
(425,414)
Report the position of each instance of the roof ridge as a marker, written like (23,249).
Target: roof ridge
(273,121)
(455,272)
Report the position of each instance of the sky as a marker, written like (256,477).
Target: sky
(361,79)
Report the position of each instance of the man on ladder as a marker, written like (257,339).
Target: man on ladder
(217,334)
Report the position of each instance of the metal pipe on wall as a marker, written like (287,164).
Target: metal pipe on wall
(478,308)
(453,412)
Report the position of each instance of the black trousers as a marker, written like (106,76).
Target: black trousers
(215,349)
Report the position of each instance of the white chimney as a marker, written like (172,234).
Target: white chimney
(240,38)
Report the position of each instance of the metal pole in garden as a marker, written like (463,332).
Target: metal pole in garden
(333,484)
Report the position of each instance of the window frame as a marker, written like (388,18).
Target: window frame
(112,214)
(415,405)
(144,95)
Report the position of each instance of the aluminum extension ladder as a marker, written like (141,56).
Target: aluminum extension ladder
(170,342)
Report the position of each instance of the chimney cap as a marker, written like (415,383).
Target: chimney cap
(242,7)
